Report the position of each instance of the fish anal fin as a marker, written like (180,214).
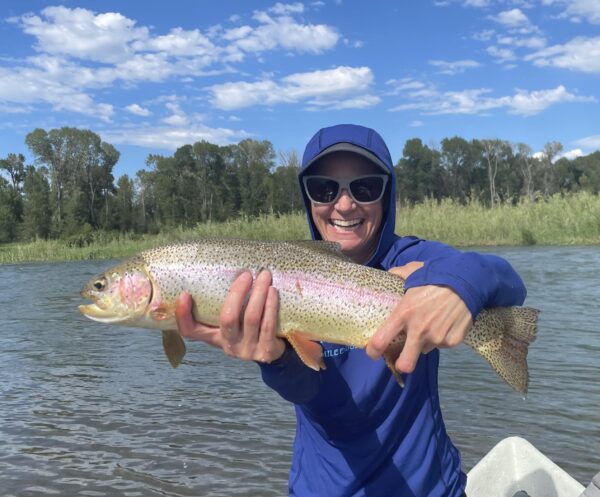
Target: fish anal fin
(391,354)
(174,347)
(310,353)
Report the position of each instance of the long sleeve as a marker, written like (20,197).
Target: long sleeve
(481,280)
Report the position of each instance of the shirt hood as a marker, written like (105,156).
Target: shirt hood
(368,143)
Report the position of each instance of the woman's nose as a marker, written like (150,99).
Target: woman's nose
(345,201)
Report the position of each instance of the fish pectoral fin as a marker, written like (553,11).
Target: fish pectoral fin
(310,353)
(174,347)
(161,313)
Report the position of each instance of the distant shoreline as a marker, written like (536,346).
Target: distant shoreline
(559,220)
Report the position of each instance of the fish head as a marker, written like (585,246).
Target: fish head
(120,295)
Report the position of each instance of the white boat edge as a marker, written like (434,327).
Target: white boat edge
(514,464)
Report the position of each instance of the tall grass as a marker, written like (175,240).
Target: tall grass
(558,220)
(115,246)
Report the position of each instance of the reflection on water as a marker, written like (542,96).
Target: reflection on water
(94,410)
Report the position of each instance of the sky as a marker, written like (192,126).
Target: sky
(152,76)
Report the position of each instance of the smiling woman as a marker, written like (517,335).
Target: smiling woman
(354,225)
(361,427)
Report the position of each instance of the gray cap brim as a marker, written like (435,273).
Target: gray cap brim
(349,147)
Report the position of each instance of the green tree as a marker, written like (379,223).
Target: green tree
(166,182)
(37,210)
(465,177)
(80,166)
(419,173)
(14,166)
(255,159)
(285,192)
(548,157)
(145,202)
(10,207)
(124,208)
(528,166)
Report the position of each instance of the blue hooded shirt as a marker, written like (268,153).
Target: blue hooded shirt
(358,432)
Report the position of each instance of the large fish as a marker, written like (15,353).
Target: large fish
(323,297)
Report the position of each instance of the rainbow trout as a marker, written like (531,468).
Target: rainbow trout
(323,297)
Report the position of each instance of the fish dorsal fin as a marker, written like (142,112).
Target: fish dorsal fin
(333,249)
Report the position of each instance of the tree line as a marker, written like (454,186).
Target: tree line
(70,189)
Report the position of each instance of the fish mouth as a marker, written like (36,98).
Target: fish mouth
(96,313)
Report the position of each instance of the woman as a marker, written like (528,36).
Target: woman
(358,432)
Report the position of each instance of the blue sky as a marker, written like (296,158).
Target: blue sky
(151,76)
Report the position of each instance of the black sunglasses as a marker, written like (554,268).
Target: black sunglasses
(363,189)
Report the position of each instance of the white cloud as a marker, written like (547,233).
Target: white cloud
(485,35)
(79,33)
(477,101)
(399,86)
(31,86)
(532,42)
(476,3)
(454,67)
(342,87)
(288,8)
(590,142)
(172,137)
(416,124)
(528,103)
(579,54)
(178,117)
(278,32)
(571,154)
(502,54)
(81,51)
(138,110)
(358,102)
(578,10)
(512,18)
(180,42)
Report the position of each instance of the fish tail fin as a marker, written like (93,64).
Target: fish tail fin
(502,336)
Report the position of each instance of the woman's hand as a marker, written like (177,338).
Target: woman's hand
(431,316)
(246,331)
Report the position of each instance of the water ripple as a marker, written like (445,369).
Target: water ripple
(93,410)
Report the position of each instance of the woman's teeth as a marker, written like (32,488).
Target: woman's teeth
(338,223)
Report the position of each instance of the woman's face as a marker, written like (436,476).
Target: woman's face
(353,225)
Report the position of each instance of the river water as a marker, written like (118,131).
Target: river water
(93,410)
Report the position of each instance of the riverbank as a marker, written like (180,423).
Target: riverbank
(559,220)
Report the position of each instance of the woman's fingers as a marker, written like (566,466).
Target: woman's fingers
(270,347)
(183,315)
(232,310)
(253,315)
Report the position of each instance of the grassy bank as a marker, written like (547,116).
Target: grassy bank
(570,220)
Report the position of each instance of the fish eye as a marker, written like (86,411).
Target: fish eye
(100,284)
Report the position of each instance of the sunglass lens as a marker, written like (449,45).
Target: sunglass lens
(322,190)
(368,189)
